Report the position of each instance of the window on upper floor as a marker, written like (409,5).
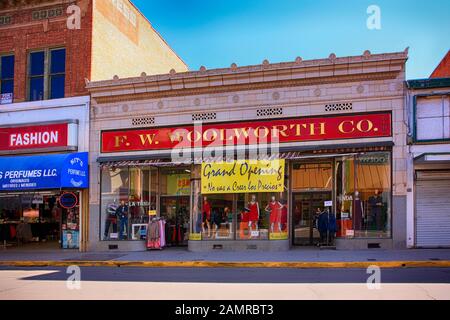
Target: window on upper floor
(7,74)
(432,121)
(46,74)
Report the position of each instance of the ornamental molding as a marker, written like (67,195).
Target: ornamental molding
(134,92)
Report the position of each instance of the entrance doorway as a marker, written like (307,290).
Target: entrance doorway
(312,185)
(304,219)
(175,210)
(41,220)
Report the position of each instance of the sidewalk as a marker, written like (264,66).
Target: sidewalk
(295,258)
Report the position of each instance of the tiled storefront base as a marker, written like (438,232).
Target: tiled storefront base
(363,244)
(261,245)
(121,246)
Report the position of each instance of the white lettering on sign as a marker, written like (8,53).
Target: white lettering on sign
(34,138)
(125,11)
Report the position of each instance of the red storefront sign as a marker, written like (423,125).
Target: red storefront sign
(34,137)
(372,125)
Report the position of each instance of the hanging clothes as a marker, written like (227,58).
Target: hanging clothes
(156,235)
(162,228)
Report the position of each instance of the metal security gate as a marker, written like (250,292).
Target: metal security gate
(433,209)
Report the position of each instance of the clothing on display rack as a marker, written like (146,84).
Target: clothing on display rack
(358,212)
(23,232)
(156,234)
(111,219)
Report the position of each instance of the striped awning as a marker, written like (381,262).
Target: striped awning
(292,155)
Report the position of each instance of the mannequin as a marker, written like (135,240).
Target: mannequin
(253,207)
(357,212)
(274,207)
(376,206)
(206,216)
(122,214)
(111,211)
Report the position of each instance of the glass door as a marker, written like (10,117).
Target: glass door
(304,220)
(312,185)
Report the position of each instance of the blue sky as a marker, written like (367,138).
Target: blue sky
(216,33)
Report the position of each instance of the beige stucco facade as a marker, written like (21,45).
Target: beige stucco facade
(125,44)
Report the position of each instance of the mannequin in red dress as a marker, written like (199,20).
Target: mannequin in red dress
(274,207)
(206,216)
(253,218)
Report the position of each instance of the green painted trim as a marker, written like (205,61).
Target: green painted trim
(428,83)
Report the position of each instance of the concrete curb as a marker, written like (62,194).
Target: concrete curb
(220,264)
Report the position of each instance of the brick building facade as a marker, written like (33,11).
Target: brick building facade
(112,40)
(443,69)
(48,50)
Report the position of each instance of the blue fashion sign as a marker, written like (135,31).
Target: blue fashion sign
(44,172)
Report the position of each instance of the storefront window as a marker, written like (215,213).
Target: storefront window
(175,204)
(114,198)
(216,218)
(128,198)
(36,217)
(262,216)
(363,195)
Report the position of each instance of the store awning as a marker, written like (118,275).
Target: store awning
(44,172)
(433,158)
(288,155)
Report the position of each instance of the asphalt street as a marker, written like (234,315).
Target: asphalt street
(126,283)
(232,275)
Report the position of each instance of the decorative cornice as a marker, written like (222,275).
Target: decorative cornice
(243,87)
(266,75)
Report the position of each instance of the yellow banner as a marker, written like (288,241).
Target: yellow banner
(245,176)
(279,236)
(195,236)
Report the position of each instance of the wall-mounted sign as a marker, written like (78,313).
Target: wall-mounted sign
(195,236)
(71,239)
(373,125)
(28,199)
(34,138)
(152,212)
(44,172)
(372,159)
(328,204)
(6,98)
(68,200)
(243,177)
(179,184)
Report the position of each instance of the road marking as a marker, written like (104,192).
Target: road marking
(15,285)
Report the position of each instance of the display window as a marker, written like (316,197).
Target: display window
(221,212)
(130,197)
(363,195)
(40,217)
